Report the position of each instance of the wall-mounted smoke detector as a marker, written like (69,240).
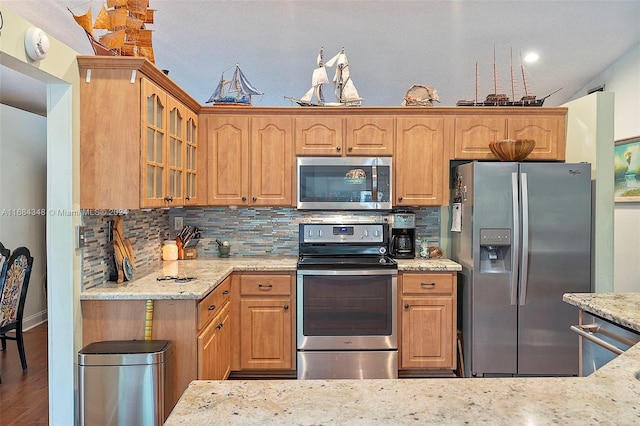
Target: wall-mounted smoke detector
(36,43)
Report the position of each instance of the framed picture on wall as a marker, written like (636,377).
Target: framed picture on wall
(627,170)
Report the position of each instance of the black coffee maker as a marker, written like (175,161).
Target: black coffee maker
(402,225)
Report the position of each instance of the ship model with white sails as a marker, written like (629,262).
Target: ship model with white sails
(123,28)
(345,91)
(501,99)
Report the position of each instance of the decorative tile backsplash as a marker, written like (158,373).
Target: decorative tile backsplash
(262,231)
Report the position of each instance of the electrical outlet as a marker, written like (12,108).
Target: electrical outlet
(178,223)
(80,241)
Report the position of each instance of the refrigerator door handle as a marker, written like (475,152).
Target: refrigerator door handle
(513,285)
(524,266)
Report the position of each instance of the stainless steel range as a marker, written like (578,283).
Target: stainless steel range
(346,302)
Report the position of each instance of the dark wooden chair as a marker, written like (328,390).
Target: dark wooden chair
(14,293)
(4,262)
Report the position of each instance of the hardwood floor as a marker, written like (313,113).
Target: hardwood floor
(24,395)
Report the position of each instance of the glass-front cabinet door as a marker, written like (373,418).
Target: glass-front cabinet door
(175,153)
(154,129)
(191,160)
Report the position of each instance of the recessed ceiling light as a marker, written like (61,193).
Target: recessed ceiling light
(531,57)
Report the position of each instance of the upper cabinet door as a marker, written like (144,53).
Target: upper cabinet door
(228,160)
(154,136)
(318,135)
(473,134)
(176,149)
(194,164)
(271,156)
(547,131)
(419,162)
(369,136)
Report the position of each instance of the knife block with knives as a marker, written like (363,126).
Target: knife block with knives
(187,240)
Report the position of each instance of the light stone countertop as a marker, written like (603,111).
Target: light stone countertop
(211,272)
(610,396)
(620,308)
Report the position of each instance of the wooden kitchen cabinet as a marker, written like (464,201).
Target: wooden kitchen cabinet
(473,133)
(427,304)
(264,322)
(420,166)
(337,135)
(250,160)
(133,136)
(202,349)
(214,348)
(214,339)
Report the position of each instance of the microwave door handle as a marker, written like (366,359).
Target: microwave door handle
(374,183)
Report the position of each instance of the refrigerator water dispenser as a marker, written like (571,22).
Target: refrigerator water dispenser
(495,250)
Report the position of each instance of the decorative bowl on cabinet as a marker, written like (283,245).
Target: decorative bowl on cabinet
(512,149)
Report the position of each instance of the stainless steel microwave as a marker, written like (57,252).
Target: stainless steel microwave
(344,183)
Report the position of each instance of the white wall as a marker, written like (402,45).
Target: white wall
(23,198)
(623,78)
(59,70)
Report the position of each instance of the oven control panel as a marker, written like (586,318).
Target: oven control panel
(344,233)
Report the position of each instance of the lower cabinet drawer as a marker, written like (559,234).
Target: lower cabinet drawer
(211,305)
(427,284)
(265,285)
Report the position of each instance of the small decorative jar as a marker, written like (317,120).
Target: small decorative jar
(169,250)
(424,248)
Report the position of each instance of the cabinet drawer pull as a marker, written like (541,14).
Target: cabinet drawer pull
(219,326)
(225,292)
(265,287)
(212,307)
(428,285)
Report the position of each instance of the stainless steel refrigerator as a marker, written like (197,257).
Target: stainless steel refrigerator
(522,233)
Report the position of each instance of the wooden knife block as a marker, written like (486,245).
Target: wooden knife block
(185,253)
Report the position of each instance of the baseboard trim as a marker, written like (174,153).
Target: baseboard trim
(34,320)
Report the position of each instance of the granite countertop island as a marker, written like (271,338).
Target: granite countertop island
(211,272)
(610,396)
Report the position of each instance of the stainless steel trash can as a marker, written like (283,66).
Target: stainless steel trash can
(125,382)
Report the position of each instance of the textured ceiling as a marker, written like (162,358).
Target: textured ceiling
(390,44)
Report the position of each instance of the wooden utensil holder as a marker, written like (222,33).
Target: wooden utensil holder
(185,253)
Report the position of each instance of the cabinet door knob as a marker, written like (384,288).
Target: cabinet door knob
(350,149)
(187,198)
(169,199)
(244,198)
(219,326)
(406,306)
(286,307)
(212,307)
(338,149)
(399,198)
(225,292)
(255,199)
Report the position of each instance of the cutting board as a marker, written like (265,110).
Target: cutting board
(122,248)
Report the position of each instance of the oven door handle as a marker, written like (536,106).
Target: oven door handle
(587,331)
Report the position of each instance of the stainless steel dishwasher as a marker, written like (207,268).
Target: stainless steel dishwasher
(125,382)
(601,341)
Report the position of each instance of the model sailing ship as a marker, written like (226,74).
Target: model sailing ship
(237,91)
(345,91)
(124,24)
(501,99)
